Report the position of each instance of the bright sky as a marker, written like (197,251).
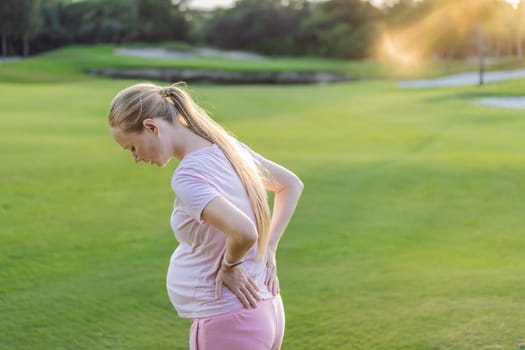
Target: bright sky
(513,2)
(209,4)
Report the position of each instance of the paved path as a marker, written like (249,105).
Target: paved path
(463,79)
(472,78)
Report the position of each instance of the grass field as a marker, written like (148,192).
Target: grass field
(68,64)
(410,233)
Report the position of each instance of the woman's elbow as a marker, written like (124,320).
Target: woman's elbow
(298,185)
(292,185)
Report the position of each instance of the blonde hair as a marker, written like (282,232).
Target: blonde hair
(138,102)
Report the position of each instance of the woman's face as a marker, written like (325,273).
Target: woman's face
(146,146)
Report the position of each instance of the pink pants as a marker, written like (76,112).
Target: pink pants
(261,328)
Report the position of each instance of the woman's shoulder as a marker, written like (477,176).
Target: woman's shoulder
(197,158)
(196,164)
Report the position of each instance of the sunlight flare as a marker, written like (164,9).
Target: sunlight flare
(395,47)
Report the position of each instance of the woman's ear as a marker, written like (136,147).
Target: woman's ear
(151,125)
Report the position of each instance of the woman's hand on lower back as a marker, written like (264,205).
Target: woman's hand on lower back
(240,283)
(271,281)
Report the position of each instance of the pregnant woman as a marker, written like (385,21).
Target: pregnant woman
(222,276)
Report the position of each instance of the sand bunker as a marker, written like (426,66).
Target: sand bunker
(503,102)
(197,53)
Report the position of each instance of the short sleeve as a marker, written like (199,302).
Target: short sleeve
(257,158)
(194,191)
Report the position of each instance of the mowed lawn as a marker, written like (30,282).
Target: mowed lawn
(410,233)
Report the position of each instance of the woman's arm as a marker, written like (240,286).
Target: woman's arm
(241,234)
(240,231)
(288,188)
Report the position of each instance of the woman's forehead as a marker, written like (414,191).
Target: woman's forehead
(122,137)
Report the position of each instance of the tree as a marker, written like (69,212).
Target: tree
(480,13)
(403,12)
(265,26)
(162,20)
(52,33)
(28,21)
(342,28)
(457,28)
(7,25)
(98,21)
(20,19)
(519,18)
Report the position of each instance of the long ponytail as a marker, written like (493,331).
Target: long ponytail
(138,102)
(251,176)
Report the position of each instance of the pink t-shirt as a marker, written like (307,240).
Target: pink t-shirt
(201,176)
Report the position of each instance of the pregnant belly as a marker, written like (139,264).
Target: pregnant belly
(189,283)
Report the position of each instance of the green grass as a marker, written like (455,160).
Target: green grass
(71,63)
(409,235)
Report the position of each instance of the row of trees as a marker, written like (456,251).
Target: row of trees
(451,29)
(329,28)
(47,24)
